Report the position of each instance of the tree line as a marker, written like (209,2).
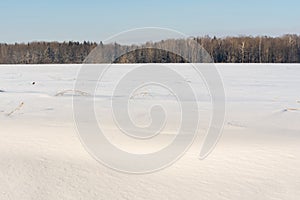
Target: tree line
(242,49)
(45,52)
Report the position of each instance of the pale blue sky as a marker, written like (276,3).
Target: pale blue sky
(37,20)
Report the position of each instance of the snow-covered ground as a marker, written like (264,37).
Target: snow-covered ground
(257,157)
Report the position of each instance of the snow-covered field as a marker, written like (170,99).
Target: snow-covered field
(257,157)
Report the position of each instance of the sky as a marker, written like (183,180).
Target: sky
(91,20)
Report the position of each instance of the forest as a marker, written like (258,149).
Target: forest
(241,49)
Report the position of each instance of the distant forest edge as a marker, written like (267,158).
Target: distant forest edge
(242,49)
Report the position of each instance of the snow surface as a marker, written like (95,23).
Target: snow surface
(257,157)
